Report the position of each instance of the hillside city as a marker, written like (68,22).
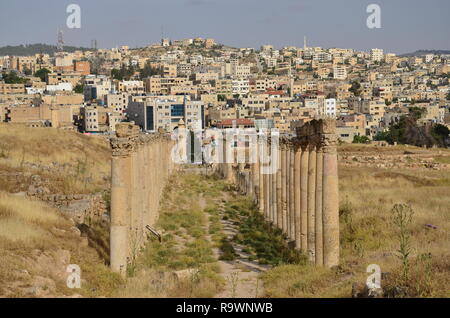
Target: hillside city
(374,96)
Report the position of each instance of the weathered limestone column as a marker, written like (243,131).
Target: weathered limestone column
(283,187)
(228,157)
(122,148)
(142,189)
(261,198)
(132,233)
(148,185)
(255,174)
(304,199)
(279,203)
(291,192)
(330,190)
(151,192)
(319,198)
(269,194)
(266,197)
(288,192)
(274,189)
(311,237)
(297,195)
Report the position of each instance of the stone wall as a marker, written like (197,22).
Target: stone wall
(140,168)
(294,181)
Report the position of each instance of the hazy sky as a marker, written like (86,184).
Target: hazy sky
(407,25)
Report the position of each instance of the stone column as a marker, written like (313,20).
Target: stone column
(304,199)
(154,189)
(274,173)
(255,175)
(261,202)
(311,237)
(319,198)
(291,193)
(283,188)
(297,195)
(330,189)
(266,197)
(146,176)
(288,192)
(278,189)
(227,157)
(122,148)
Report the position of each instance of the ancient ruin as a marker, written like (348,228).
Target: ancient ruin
(141,166)
(293,179)
(297,189)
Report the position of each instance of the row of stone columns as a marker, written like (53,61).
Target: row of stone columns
(140,168)
(297,189)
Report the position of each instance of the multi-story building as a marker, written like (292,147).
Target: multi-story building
(8,89)
(117,102)
(340,72)
(99,119)
(130,87)
(329,108)
(376,55)
(58,77)
(165,112)
(96,87)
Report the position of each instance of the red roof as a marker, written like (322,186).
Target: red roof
(239,122)
(274,92)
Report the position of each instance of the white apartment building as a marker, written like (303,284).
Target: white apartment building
(60,87)
(329,107)
(339,72)
(376,55)
(240,87)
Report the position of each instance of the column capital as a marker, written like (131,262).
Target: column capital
(124,143)
(328,143)
(123,147)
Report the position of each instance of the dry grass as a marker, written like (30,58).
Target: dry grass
(368,235)
(29,228)
(185,244)
(68,163)
(72,162)
(24,220)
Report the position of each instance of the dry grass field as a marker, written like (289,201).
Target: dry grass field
(369,235)
(72,162)
(36,246)
(36,241)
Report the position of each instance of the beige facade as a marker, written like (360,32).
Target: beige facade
(8,89)
(57,78)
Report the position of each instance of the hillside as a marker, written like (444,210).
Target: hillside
(424,52)
(50,179)
(32,49)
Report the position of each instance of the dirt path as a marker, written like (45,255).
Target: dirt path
(241,275)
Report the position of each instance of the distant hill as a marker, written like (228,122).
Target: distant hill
(32,49)
(424,52)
